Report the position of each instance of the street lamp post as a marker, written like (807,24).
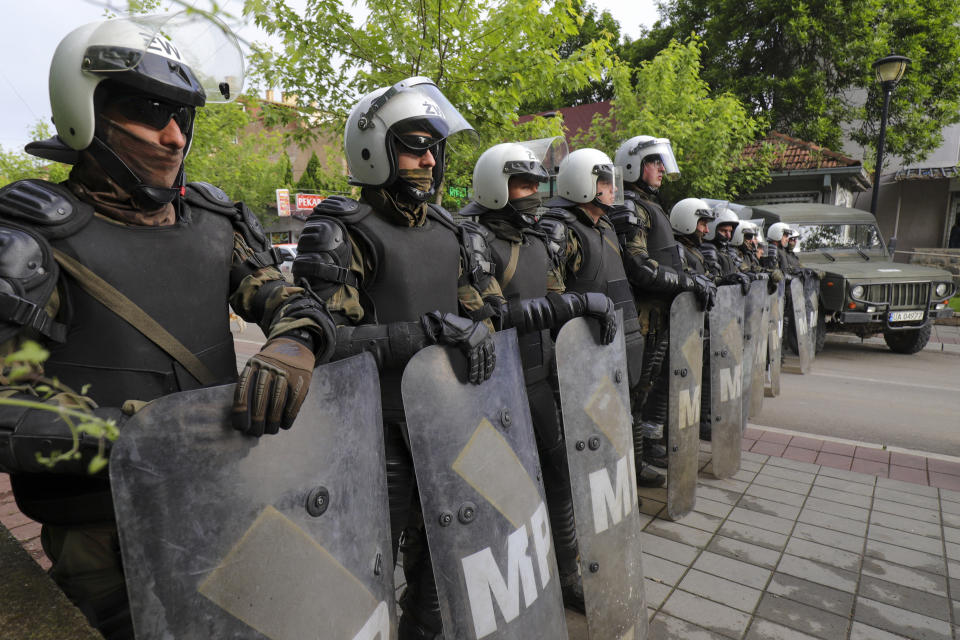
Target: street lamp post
(889,70)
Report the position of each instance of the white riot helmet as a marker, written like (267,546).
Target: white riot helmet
(632,154)
(746,227)
(495,167)
(777,230)
(150,68)
(184,59)
(586,175)
(686,213)
(385,120)
(724,215)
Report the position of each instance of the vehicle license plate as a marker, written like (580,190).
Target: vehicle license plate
(905,316)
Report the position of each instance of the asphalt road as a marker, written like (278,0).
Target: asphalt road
(865,392)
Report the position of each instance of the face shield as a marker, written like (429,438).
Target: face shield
(609,184)
(187,57)
(550,152)
(661,148)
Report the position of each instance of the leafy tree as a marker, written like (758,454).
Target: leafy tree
(230,152)
(807,65)
(286,168)
(667,98)
(308,181)
(19,165)
(593,25)
(487,57)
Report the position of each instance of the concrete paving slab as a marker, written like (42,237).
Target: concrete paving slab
(705,613)
(803,618)
(900,621)
(730,568)
(898,595)
(745,551)
(812,594)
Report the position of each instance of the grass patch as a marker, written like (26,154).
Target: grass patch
(955,304)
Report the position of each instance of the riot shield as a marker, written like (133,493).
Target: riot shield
(811,294)
(801,325)
(595,399)
(774,343)
(483,503)
(229,536)
(726,379)
(760,357)
(683,415)
(752,328)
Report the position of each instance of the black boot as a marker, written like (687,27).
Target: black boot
(654,453)
(648,477)
(706,431)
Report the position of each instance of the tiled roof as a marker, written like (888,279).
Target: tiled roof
(575,119)
(795,154)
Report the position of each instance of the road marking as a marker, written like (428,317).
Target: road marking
(878,381)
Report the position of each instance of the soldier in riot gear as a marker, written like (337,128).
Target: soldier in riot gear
(124,271)
(716,248)
(778,254)
(508,243)
(653,266)
(744,242)
(591,259)
(366,258)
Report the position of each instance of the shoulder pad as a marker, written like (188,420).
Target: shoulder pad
(323,256)
(474,238)
(207,196)
(49,208)
(624,217)
(28,276)
(473,209)
(247,223)
(555,231)
(442,216)
(556,213)
(346,209)
(708,249)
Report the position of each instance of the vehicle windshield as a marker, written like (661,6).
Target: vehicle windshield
(830,237)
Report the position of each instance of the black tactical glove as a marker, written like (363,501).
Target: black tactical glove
(272,386)
(739,278)
(472,338)
(702,287)
(601,307)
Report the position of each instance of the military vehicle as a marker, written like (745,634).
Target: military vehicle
(864,291)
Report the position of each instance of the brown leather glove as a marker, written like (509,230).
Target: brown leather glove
(272,387)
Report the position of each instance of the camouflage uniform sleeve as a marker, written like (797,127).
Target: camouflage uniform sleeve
(636,246)
(555,280)
(262,295)
(574,256)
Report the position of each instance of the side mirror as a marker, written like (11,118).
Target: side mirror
(892,245)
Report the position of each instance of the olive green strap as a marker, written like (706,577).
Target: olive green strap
(121,305)
(511,265)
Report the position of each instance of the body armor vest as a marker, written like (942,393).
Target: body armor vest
(693,259)
(661,244)
(179,275)
(416,272)
(416,269)
(750,257)
(529,280)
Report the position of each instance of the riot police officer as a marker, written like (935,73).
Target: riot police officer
(588,189)
(511,244)
(124,272)
(779,254)
(651,258)
(390,268)
(720,256)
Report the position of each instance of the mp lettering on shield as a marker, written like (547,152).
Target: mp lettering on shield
(731,383)
(614,499)
(487,584)
(689,407)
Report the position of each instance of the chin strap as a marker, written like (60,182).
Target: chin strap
(144,195)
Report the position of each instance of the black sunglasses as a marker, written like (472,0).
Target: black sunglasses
(418,145)
(153,112)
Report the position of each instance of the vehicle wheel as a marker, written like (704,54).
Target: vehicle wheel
(909,340)
(821,335)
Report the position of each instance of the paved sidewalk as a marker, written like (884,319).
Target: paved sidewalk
(790,550)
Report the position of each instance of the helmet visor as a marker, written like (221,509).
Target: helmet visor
(204,44)
(609,183)
(434,113)
(663,150)
(550,152)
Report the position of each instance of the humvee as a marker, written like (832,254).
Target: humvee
(864,291)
